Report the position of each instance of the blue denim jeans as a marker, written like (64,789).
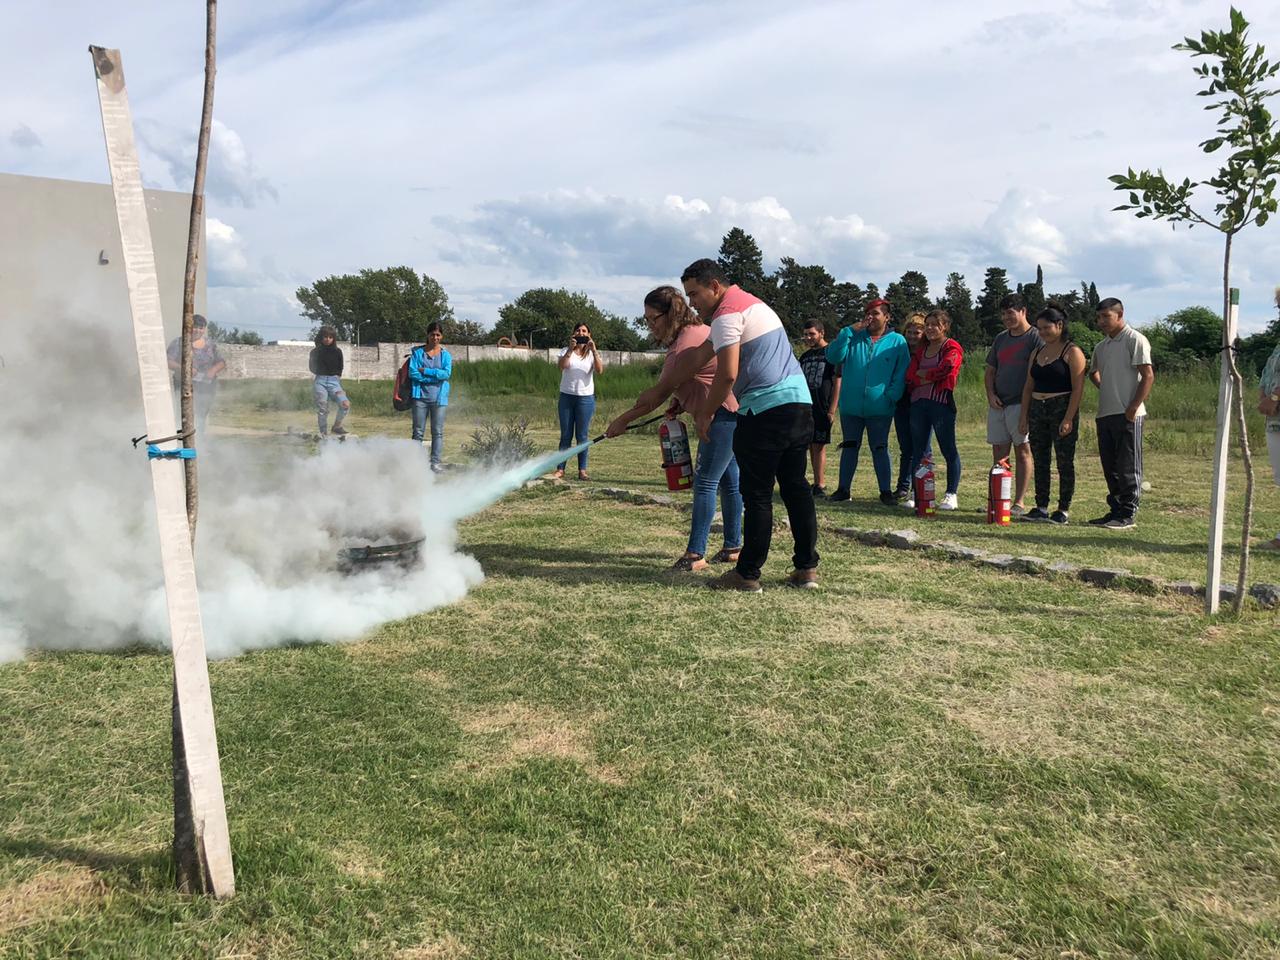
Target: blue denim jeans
(324,389)
(575,420)
(929,415)
(902,425)
(878,436)
(716,470)
(420,410)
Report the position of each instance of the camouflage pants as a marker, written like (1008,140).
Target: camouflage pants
(1042,421)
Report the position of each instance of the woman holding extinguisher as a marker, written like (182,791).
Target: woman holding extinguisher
(931,380)
(673,324)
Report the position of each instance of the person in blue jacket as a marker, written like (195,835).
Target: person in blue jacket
(430,367)
(873,361)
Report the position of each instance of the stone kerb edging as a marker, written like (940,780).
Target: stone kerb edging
(1267,595)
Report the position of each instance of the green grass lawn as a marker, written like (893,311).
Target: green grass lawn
(590,757)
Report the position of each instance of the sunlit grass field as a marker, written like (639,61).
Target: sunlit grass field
(592,757)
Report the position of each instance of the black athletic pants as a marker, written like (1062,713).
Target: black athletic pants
(1043,420)
(1120,447)
(772,447)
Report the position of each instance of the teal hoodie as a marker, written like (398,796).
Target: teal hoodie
(873,375)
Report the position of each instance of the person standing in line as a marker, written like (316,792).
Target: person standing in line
(430,367)
(325,362)
(873,373)
(1005,376)
(823,378)
(673,324)
(1121,370)
(1269,407)
(579,364)
(1051,412)
(206,365)
(913,333)
(755,361)
(932,377)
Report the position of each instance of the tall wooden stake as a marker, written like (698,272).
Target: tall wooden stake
(186,859)
(202,776)
(1221,447)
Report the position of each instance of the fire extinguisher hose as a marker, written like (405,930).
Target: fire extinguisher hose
(634,426)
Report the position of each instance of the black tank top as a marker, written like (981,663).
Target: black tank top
(1052,377)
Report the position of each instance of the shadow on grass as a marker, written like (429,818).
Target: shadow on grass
(136,870)
(574,566)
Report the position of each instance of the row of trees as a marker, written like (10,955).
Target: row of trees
(396,304)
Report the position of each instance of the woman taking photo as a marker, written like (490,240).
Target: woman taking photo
(579,364)
(1051,412)
(931,378)
(430,367)
(674,325)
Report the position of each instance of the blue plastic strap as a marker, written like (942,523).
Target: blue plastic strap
(182,453)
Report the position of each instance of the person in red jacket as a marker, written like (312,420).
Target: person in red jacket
(931,381)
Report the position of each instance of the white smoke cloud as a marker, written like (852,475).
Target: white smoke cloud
(80,553)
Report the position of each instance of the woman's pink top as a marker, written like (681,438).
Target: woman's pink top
(693,393)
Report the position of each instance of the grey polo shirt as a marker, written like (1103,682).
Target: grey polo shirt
(1117,359)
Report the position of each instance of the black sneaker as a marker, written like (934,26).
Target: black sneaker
(1059,517)
(839,495)
(1036,515)
(1101,521)
(902,493)
(819,493)
(1120,523)
(339,430)
(888,499)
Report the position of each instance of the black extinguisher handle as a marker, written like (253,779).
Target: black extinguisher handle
(634,426)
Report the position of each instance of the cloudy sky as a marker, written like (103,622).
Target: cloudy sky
(603,145)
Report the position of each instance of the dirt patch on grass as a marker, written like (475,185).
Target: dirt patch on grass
(1027,715)
(447,947)
(505,736)
(356,861)
(53,892)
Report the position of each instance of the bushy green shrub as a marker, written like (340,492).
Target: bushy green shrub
(496,443)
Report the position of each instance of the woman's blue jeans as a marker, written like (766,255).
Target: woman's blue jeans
(716,470)
(420,410)
(902,425)
(878,436)
(929,415)
(575,421)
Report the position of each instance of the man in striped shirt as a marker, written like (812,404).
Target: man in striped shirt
(775,421)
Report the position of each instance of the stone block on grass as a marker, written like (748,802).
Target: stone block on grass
(1032,565)
(1000,561)
(1267,595)
(1101,576)
(1064,569)
(902,539)
(1186,588)
(869,538)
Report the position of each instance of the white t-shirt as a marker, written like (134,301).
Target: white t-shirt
(1117,359)
(578,378)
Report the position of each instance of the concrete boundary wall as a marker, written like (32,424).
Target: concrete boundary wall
(379,361)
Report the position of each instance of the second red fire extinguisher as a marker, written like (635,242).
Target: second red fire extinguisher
(925,494)
(1000,494)
(676,461)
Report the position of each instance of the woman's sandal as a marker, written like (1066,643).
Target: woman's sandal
(557,475)
(690,564)
(582,475)
(727,556)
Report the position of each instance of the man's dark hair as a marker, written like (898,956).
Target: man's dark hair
(1013,301)
(816,325)
(1111,303)
(433,327)
(703,272)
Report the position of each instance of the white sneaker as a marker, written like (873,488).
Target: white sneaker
(948,502)
(909,503)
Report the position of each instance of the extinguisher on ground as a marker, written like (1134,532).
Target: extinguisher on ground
(676,461)
(1000,494)
(925,493)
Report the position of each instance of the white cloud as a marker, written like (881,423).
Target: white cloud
(228,261)
(230,176)
(24,138)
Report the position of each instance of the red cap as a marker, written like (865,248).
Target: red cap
(875,303)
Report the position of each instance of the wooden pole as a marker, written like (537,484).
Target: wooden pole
(1221,448)
(202,775)
(188,869)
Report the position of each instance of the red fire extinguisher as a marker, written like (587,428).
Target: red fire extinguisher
(925,493)
(675,455)
(1000,494)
